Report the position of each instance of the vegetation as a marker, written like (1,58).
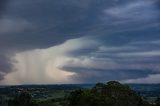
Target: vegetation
(24,99)
(110,94)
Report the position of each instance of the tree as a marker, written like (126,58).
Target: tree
(111,94)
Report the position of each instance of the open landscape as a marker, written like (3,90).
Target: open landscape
(58,95)
(79,52)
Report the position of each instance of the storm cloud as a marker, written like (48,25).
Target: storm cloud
(121,33)
(5,66)
(3,6)
(38,24)
(101,75)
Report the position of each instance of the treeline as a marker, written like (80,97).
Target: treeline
(110,94)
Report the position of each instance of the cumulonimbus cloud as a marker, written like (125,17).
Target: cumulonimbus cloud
(27,25)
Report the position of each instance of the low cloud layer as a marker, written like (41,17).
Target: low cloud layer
(107,36)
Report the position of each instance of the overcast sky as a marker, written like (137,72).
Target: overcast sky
(79,41)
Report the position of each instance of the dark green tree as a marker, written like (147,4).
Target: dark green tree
(111,94)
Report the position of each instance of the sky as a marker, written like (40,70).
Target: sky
(79,41)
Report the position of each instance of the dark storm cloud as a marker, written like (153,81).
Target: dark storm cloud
(158,4)
(130,58)
(5,66)
(3,4)
(44,24)
(28,25)
(95,75)
(53,21)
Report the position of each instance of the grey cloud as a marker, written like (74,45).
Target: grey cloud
(10,25)
(133,9)
(3,4)
(132,16)
(39,24)
(95,75)
(5,66)
(130,61)
(56,21)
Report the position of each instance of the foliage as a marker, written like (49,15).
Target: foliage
(111,94)
(52,102)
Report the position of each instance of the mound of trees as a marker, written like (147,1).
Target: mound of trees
(111,94)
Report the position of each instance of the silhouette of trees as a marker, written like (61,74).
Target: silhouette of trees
(111,94)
